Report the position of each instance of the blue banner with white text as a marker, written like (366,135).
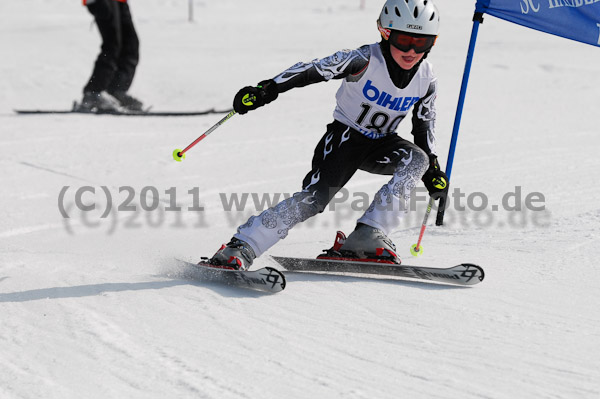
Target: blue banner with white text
(574,19)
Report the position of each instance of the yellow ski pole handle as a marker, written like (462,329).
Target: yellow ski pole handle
(179,155)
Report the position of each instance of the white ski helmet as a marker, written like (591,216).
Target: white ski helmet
(413,16)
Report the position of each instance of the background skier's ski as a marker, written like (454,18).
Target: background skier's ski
(76,110)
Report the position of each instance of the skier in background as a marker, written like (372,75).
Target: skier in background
(116,64)
(381,82)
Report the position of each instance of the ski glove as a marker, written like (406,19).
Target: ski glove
(250,98)
(435,179)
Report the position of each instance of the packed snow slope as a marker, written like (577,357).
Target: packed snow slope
(95,307)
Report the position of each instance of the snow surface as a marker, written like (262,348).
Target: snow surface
(95,308)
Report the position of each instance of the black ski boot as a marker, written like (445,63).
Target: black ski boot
(128,102)
(98,102)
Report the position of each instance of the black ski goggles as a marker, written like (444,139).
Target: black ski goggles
(405,41)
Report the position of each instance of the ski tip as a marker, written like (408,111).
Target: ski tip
(472,273)
(276,278)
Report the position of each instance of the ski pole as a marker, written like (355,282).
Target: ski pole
(417,249)
(179,154)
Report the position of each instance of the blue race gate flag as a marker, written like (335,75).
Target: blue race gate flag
(574,19)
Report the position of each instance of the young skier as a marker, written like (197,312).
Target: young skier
(381,82)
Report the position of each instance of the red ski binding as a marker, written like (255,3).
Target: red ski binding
(382,255)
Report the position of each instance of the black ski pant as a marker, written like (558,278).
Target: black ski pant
(340,153)
(119,55)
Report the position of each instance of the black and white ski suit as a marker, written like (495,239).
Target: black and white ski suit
(374,97)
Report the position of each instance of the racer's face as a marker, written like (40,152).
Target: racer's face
(406,59)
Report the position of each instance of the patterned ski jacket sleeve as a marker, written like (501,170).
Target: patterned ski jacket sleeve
(423,120)
(336,66)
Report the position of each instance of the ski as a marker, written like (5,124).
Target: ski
(77,110)
(266,279)
(463,274)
